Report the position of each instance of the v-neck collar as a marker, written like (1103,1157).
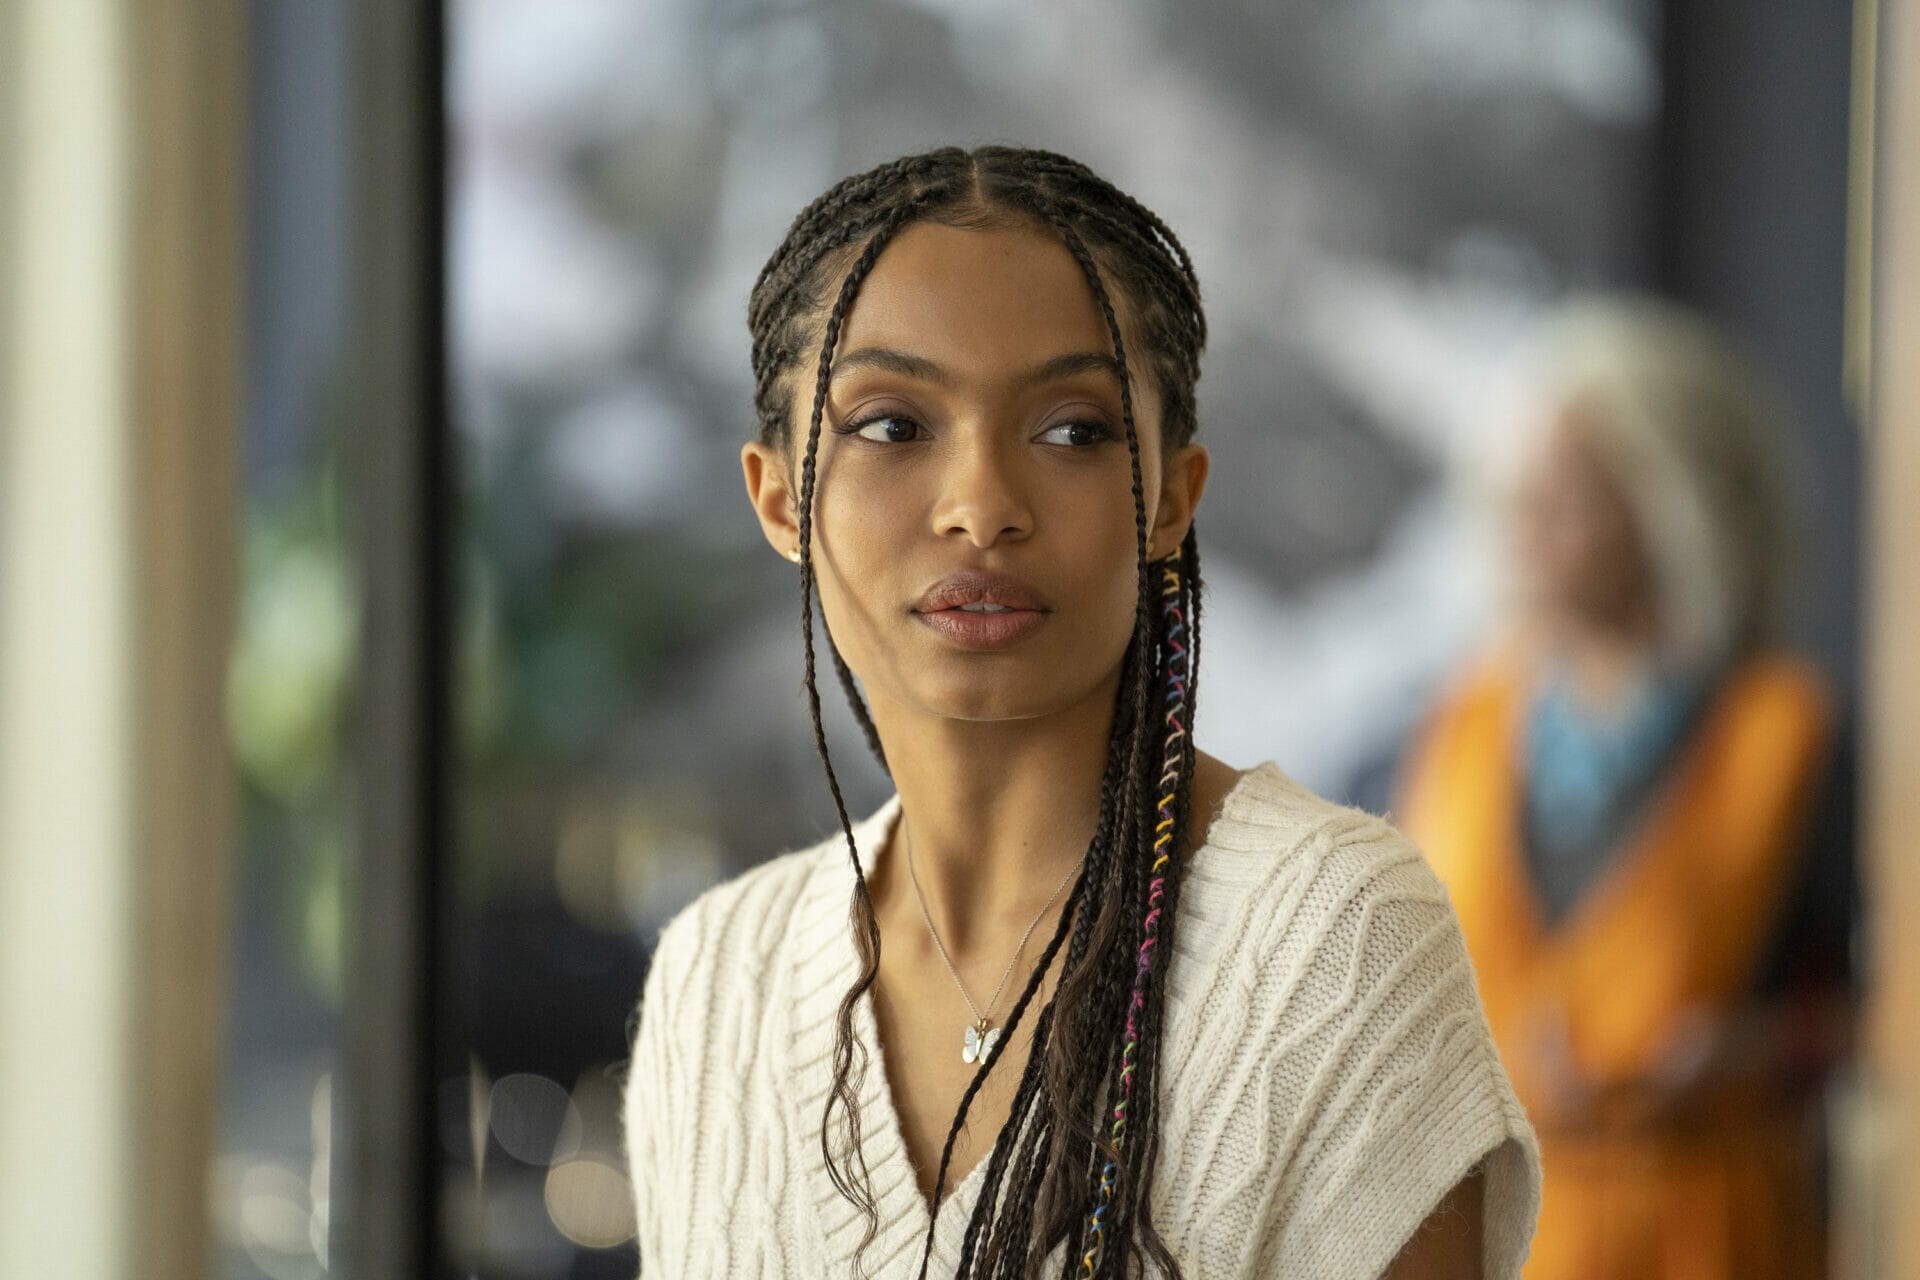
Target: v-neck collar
(826,964)
(825,967)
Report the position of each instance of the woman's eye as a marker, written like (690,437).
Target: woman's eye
(1082,434)
(886,428)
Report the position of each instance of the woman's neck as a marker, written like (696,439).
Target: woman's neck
(1601,663)
(995,813)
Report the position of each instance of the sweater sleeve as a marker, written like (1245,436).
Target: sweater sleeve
(655,1145)
(1409,1095)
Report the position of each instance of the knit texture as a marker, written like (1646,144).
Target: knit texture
(1327,1072)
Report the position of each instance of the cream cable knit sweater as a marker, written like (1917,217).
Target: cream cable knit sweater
(1328,1072)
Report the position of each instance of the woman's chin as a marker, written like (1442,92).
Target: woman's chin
(987,696)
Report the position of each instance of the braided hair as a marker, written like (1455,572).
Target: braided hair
(1075,1160)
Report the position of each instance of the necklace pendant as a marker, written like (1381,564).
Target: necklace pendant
(979,1042)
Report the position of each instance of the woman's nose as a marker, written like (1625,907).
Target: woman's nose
(982,497)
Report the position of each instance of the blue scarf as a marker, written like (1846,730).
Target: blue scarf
(1588,773)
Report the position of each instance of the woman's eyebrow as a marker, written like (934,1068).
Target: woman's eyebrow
(908,365)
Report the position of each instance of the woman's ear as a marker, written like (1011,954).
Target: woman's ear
(770,490)
(1181,484)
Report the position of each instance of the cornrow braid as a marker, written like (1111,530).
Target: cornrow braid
(1073,171)
(1082,1132)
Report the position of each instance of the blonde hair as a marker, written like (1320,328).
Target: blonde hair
(1691,430)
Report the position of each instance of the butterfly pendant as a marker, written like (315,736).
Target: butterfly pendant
(979,1043)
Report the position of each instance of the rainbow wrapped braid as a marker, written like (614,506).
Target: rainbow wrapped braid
(1174,656)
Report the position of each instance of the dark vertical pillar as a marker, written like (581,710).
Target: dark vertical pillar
(1750,217)
(399,476)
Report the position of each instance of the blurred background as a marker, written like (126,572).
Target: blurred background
(382,626)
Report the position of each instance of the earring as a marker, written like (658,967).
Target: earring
(793,554)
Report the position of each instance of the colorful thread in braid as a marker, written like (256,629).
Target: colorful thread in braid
(1163,850)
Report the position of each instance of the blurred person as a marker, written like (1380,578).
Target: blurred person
(1249,1042)
(1617,792)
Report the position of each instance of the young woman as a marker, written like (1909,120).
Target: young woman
(1078,999)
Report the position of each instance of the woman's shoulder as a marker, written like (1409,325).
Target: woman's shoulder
(1272,831)
(1304,903)
(741,922)
(1324,985)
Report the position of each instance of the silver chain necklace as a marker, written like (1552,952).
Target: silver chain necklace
(979,1041)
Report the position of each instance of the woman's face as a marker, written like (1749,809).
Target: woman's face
(973,427)
(1581,557)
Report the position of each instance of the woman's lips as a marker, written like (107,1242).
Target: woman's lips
(1017,610)
(983,631)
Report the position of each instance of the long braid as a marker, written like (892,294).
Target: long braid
(1171,778)
(1188,559)
(1175,787)
(1095,1042)
(865,926)
(861,715)
(1163,830)
(1028,1165)
(1031,1079)
(1012,1250)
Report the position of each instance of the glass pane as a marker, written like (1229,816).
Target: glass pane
(295,649)
(1372,202)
